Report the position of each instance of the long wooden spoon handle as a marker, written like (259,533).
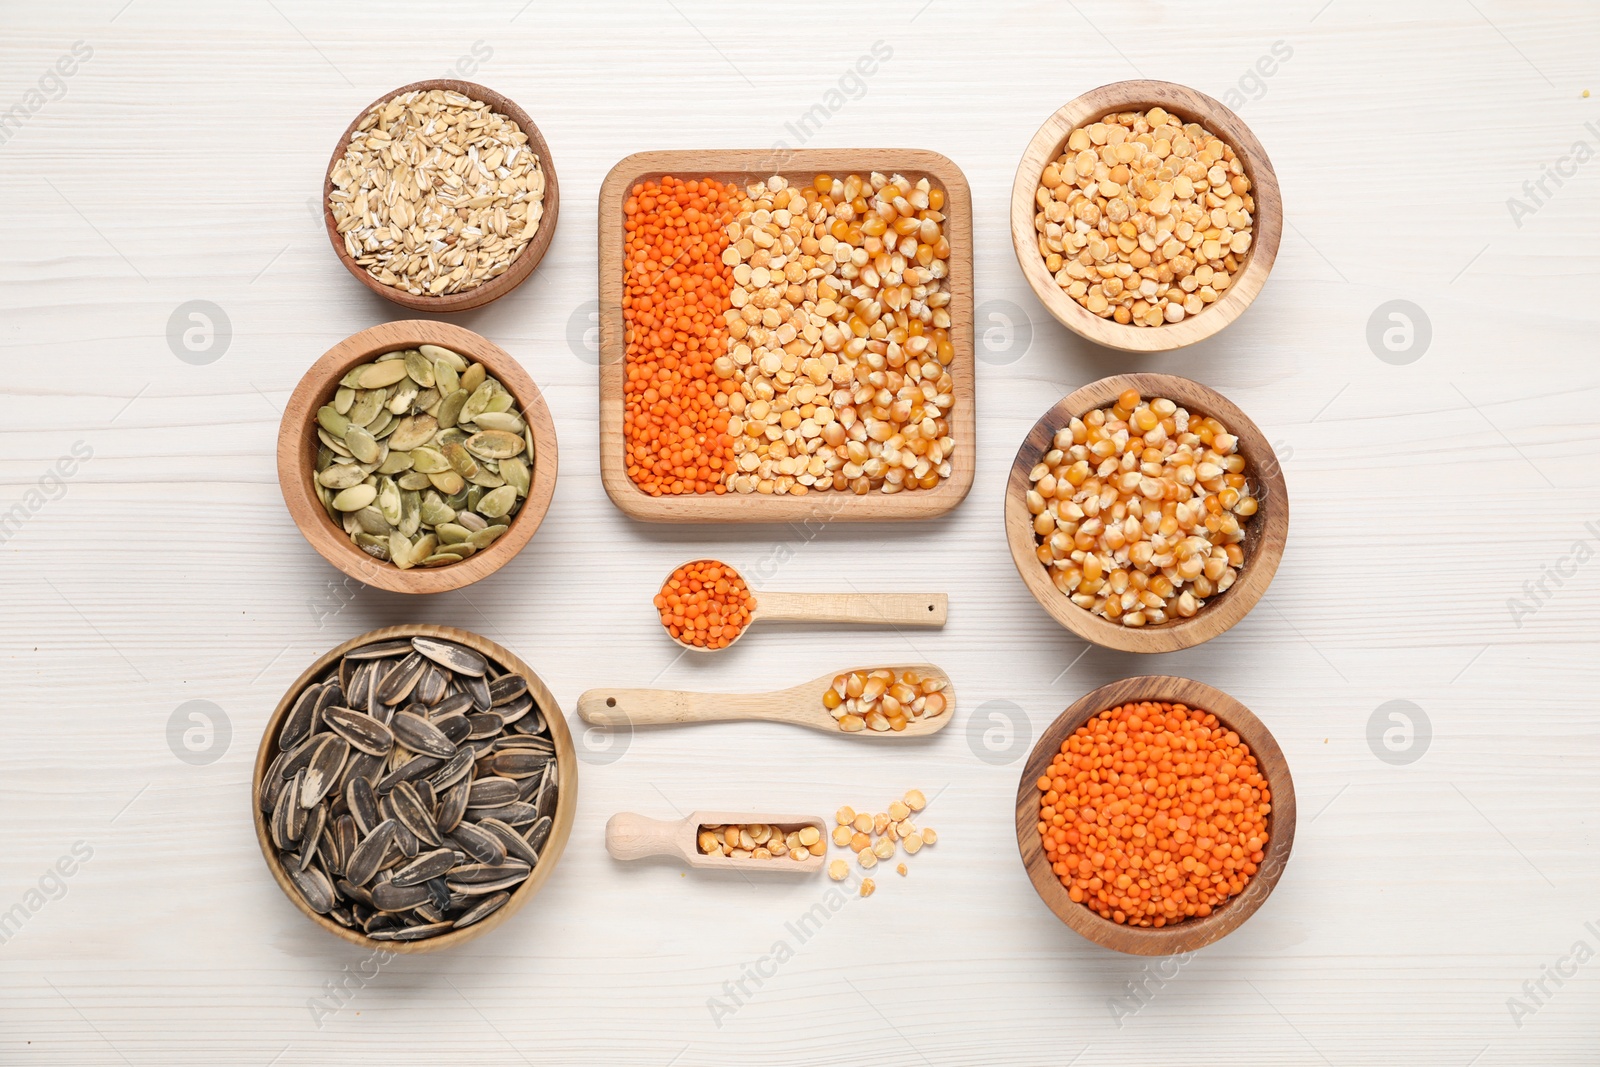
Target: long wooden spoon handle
(863,609)
(665,707)
(633,837)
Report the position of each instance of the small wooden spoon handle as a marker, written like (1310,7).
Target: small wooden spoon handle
(666,707)
(633,837)
(865,609)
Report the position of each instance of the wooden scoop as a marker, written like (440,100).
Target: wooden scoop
(634,837)
(910,610)
(800,705)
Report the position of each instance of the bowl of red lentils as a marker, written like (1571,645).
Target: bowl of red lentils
(1155,815)
(1145,215)
(1146,513)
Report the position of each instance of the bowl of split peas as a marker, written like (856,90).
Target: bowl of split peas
(1155,815)
(1145,215)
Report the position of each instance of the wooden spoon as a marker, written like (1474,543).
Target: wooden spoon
(913,610)
(800,705)
(634,837)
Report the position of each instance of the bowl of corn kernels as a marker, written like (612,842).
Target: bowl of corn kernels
(1146,512)
(1145,215)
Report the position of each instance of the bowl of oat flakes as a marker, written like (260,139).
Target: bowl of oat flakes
(441,196)
(1145,215)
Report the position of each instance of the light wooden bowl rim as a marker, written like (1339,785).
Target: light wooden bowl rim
(1266,532)
(297,450)
(531,253)
(1190,934)
(745,166)
(1191,106)
(560,824)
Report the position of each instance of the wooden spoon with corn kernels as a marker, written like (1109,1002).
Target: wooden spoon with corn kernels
(864,703)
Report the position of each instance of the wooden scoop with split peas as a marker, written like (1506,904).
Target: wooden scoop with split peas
(851,711)
(706,606)
(634,837)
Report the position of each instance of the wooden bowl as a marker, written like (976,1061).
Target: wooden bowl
(1265,533)
(561,822)
(1191,106)
(297,454)
(531,253)
(1191,933)
(746,166)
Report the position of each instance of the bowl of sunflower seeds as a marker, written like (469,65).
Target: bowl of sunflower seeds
(417,457)
(414,788)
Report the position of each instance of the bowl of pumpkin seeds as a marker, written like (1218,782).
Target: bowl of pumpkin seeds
(417,457)
(414,788)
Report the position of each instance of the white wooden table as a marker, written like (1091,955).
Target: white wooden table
(1435,886)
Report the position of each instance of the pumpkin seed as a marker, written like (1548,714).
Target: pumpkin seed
(329,419)
(516,474)
(420,367)
(341,476)
(405,395)
(367,405)
(412,440)
(439,354)
(497,502)
(448,482)
(414,430)
(461,460)
(501,421)
(381,374)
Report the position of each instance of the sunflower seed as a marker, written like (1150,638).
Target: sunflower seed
(456,727)
(297,724)
(311,837)
(413,813)
(479,844)
(450,705)
(322,770)
(484,908)
(314,888)
(368,857)
(412,769)
(360,730)
(484,888)
(483,725)
(282,827)
(454,771)
(426,866)
(537,834)
(452,657)
(420,735)
(493,792)
(513,764)
(401,679)
(506,688)
(515,709)
(381,649)
(453,807)
(363,804)
(431,686)
(515,813)
(348,836)
(391,897)
(516,846)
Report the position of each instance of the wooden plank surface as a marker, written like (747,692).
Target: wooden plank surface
(1442,552)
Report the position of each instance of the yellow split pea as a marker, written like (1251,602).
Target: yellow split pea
(1143,218)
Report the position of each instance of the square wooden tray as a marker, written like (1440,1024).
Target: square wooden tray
(746,166)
